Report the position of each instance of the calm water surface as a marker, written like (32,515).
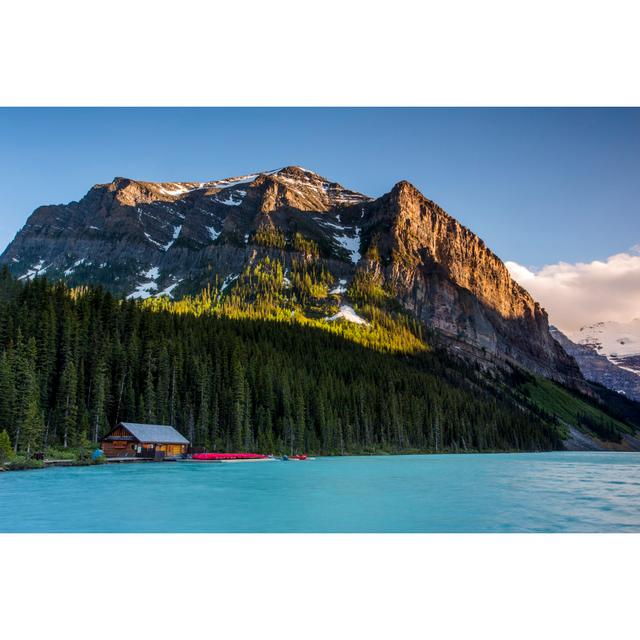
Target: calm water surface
(443,493)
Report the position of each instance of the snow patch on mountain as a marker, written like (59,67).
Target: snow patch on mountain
(72,268)
(333,225)
(178,189)
(146,288)
(230,198)
(347,237)
(152,274)
(341,288)
(232,182)
(168,291)
(228,280)
(35,270)
(150,239)
(348,313)
(176,232)
(351,244)
(168,245)
(213,234)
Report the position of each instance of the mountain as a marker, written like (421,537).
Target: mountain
(141,239)
(284,312)
(619,342)
(606,370)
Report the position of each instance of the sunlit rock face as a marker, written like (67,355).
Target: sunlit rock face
(445,275)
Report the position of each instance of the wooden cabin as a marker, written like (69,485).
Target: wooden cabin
(131,440)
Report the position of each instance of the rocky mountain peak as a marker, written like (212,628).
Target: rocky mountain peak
(405,190)
(298,173)
(308,191)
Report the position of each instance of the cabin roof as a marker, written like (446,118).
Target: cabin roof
(161,433)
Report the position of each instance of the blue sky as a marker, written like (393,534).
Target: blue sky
(538,185)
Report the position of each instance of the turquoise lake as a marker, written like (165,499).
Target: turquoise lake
(537,492)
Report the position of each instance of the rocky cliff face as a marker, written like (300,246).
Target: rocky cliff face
(140,239)
(446,276)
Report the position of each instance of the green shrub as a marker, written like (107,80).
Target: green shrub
(20,463)
(6,450)
(84,456)
(53,453)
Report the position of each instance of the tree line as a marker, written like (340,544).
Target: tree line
(74,362)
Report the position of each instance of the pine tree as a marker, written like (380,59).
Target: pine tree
(299,418)
(7,391)
(237,400)
(149,396)
(67,405)
(27,396)
(6,451)
(98,401)
(33,425)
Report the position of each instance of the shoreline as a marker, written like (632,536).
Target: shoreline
(48,464)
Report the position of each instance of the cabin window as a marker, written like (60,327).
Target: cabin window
(119,444)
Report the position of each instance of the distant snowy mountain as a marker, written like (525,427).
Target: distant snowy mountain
(619,342)
(598,368)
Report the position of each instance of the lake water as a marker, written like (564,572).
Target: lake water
(544,492)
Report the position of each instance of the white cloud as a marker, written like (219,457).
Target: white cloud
(583,293)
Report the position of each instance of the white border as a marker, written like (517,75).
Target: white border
(335,52)
(320,586)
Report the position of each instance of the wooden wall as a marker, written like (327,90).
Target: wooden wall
(172,449)
(128,449)
(119,449)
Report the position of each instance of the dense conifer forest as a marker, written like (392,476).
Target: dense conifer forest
(245,372)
